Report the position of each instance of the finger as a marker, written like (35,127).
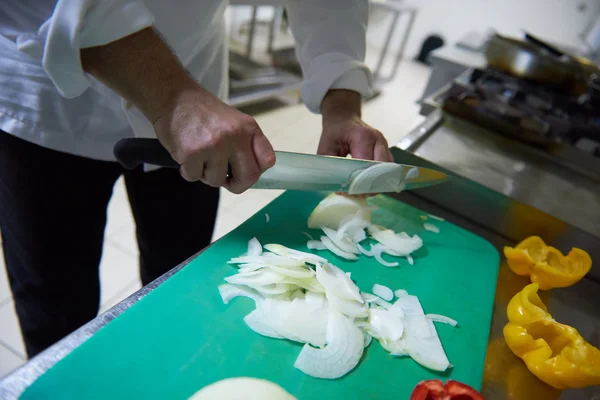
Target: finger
(192,171)
(215,171)
(245,169)
(363,147)
(262,151)
(382,151)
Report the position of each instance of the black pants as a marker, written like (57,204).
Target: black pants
(52,217)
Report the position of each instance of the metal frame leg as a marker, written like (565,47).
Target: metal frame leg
(275,22)
(251,31)
(409,26)
(386,45)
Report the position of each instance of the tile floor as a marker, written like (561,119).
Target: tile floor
(291,128)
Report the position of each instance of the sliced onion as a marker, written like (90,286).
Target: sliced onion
(395,348)
(383,177)
(300,273)
(441,318)
(297,294)
(333,209)
(250,267)
(383,291)
(412,173)
(431,227)
(423,217)
(257,322)
(377,250)
(254,247)
(349,308)
(267,218)
(294,254)
(387,324)
(315,245)
(364,251)
(336,250)
(317,300)
(400,292)
(274,289)
(368,339)
(267,259)
(371,298)
(345,344)
(343,243)
(296,320)
(400,245)
(337,283)
(308,235)
(308,284)
(258,278)
(410,260)
(436,217)
(229,292)
(422,341)
(353,227)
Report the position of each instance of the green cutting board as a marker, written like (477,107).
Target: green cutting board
(181,336)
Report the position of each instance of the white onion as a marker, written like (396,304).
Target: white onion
(400,292)
(383,291)
(343,243)
(294,254)
(267,218)
(337,283)
(395,348)
(353,228)
(258,278)
(371,298)
(336,250)
(257,322)
(309,284)
(436,217)
(399,244)
(410,260)
(345,345)
(315,299)
(366,252)
(229,292)
(377,250)
(308,235)
(300,273)
(349,308)
(441,318)
(274,289)
(296,320)
(254,247)
(387,324)
(267,259)
(315,245)
(412,173)
(383,177)
(422,341)
(431,227)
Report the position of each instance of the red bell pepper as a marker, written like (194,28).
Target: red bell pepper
(434,389)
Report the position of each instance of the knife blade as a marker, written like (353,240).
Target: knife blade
(292,171)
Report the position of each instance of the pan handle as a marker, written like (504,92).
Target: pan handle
(543,44)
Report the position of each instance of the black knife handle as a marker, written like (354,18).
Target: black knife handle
(132,152)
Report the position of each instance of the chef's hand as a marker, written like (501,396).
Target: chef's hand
(344,132)
(205,135)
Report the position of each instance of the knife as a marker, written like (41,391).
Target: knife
(292,171)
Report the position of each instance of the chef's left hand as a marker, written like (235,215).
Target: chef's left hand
(344,132)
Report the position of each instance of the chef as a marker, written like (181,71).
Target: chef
(78,75)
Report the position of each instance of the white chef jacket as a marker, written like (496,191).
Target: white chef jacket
(46,98)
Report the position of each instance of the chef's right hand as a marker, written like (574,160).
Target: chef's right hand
(205,136)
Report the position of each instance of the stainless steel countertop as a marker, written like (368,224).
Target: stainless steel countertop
(488,213)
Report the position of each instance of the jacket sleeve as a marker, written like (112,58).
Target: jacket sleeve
(330,45)
(77,24)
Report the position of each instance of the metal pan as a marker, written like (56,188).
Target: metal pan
(529,61)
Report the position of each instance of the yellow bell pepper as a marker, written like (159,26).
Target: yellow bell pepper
(547,265)
(554,352)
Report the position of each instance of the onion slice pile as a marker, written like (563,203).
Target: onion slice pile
(345,232)
(300,299)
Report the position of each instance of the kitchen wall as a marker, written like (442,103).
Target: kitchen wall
(561,21)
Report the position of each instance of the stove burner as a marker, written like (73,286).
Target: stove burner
(526,111)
